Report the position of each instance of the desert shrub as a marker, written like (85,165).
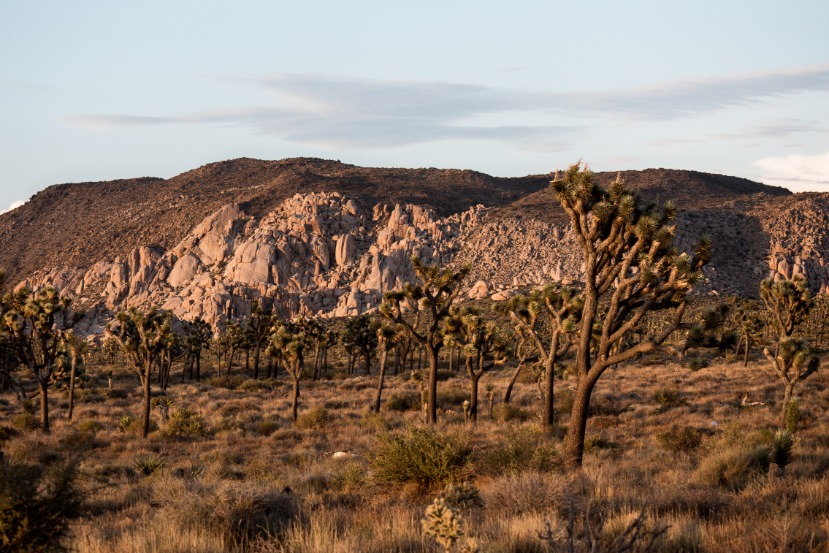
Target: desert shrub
(698,363)
(266,428)
(517,493)
(421,456)
(252,385)
(463,496)
(26,421)
(668,398)
(314,419)
(148,464)
(452,396)
(36,506)
(90,425)
(781,449)
(680,440)
(185,423)
(405,401)
(231,382)
(526,449)
(115,393)
(592,444)
(733,467)
(78,439)
(506,412)
(605,406)
(349,477)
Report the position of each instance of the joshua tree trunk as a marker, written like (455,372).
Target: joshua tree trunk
(513,380)
(432,406)
(549,399)
(367,362)
(574,442)
(72,373)
(787,397)
(473,396)
(256,352)
(383,357)
(145,429)
(295,400)
(745,357)
(43,384)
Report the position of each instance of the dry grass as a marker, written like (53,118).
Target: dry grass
(253,481)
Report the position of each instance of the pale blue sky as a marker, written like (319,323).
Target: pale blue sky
(105,90)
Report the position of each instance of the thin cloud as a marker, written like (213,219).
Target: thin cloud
(362,113)
(13,206)
(796,172)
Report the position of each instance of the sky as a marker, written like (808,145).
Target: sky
(102,90)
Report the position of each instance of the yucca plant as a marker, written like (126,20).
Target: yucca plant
(781,449)
(148,464)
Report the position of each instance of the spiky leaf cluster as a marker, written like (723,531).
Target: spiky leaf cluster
(787,302)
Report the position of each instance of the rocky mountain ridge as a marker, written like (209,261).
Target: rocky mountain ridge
(333,252)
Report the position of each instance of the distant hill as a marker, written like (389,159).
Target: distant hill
(327,237)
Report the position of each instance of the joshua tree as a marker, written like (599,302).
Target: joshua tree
(749,323)
(819,316)
(361,334)
(259,327)
(234,336)
(291,339)
(196,339)
(429,303)
(386,341)
(36,324)
(76,348)
(788,303)
(631,267)
(482,344)
(524,352)
(711,331)
(561,307)
(143,337)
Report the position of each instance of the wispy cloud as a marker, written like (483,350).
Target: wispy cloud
(361,113)
(14,205)
(796,172)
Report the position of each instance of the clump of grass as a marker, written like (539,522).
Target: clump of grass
(26,422)
(668,398)
(698,363)
(424,457)
(685,439)
(596,443)
(405,401)
(125,423)
(148,464)
(231,382)
(315,418)
(507,412)
(252,385)
(90,425)
(452,397)
(525,449)
(185,423)
(734,467)
(266,428)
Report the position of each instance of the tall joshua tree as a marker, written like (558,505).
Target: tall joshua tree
(292,340)
(143,337)
(482,343)
(418,311)
(36,324)
(788,303)
(546,318)
(76,348)
(361,334)
(386,341)
(631,267)
(259,328)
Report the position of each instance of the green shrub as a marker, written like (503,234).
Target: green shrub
(668,398)
(314,419)
(231,382)
(506,412)
(36,506)
(403,401)
(734,467)
(680,440)
(526,449)
(252,385)
(125,423)
(593,444)
(26,421)
(185,423)
(266,428)
(781,449)
(421,456)
(697,363)
(90,425)
(452,397)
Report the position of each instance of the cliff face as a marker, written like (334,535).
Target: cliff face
(334,252)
